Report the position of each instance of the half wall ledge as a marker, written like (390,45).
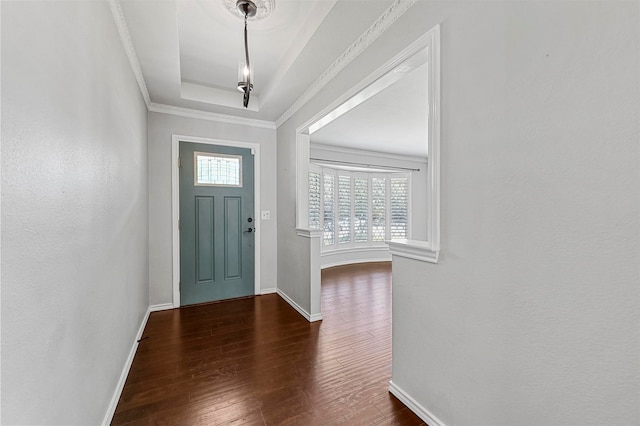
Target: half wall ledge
(413,249)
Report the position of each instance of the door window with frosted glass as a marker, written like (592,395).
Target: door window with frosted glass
(217,169)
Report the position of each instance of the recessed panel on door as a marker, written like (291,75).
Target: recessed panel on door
(204,240)
(233,236)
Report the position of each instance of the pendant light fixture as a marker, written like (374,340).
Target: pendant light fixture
(254,10)
(248,9)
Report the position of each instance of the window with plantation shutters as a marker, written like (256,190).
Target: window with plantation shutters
(357,208)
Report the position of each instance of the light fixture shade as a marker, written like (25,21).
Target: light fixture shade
(243,73)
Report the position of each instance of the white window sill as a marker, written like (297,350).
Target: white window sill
(412,249)
(308,233)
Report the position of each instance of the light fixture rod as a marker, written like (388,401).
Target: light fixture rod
(247,88)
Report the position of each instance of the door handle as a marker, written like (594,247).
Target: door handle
(250,230)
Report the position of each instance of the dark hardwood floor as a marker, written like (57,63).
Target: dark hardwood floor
(256,361)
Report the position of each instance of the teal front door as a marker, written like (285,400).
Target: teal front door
(217,225)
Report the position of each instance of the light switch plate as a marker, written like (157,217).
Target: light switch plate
(266,215)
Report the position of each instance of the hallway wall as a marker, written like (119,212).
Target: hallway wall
(74,211)
(531,316)
(161,129)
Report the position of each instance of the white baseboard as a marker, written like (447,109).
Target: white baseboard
(424,414)
(108,417)
(301,311)
(268,291)
(161,307)
(315,317)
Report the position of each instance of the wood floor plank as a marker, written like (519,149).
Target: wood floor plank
(256,361)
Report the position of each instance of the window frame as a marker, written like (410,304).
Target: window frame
(352,243)
(216,155)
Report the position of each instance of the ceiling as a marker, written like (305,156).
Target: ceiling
(393,120)
(189,51)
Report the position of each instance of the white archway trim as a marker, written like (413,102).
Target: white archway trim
(431,42)
(384,21)
(433,180)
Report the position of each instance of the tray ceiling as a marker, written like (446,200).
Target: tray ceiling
(189,51)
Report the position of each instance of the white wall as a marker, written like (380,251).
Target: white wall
(294,252)
(74,211)
(161,129)
(531,316)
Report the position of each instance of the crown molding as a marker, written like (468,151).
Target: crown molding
(387,156)
(384,21)
(216,96)
(125,37)
(210,116)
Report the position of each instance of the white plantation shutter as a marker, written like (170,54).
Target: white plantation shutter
(356,208)
(378,208)
(361,209)
(328,208)
(314,200)
(399,189)
(344,209)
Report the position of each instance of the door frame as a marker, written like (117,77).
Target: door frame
(175,204)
